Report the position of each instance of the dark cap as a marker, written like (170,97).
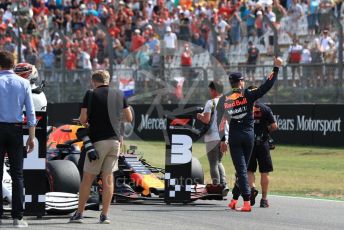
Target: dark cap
(235,76)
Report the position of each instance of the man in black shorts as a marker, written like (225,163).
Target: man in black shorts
(264,123)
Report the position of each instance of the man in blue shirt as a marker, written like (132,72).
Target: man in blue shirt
(15,93)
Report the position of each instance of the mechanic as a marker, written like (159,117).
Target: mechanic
(29,72)
(264,124)
(105,138)
(237,108)
(15,93)
(211,137)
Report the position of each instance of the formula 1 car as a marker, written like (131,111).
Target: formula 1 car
(135,179)
(63,178)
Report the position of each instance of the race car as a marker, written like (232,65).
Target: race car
(135,179)
(62,174)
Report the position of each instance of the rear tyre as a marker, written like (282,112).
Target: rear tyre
(73,158)
(197,173)
(63,176)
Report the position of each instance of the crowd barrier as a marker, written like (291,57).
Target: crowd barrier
(303,124)
(309,83)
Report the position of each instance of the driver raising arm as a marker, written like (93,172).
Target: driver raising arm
(237,108)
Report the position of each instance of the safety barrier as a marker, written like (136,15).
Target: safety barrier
(298,83)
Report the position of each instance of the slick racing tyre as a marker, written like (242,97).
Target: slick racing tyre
(197,173)
(63,176)
(73,158)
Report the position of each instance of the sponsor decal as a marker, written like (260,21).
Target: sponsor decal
(180,121)
(235,103)
(152,123)
(308,124)
(181,149)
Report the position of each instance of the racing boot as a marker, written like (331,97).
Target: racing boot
(254,193)
(232,204)
(245,208)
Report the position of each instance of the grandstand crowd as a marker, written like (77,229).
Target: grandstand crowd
(52,28)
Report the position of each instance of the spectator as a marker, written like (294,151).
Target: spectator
(83,59)
(272,17)
(70,59)
(157,62)
(184,27)
(171,44)
(221,53)
(317,60)
(137,41)
(279,11)
(9,46)
(339,8)
(152,42)
(223,28)
(120,52)
(312,17)
(100,41)
(252,58)
(31,56)
(326,45)
(199,43)
(83,62)
(31,27)
(57,46)
(142,61)
(328,49)
(58,19)
(295,14)
(305,62)
(294,58)
(142,57)
(260,26)
(68,25)
(105,65)
(48,58)
(235,31)
(250,19)
(324,10)
(186,63)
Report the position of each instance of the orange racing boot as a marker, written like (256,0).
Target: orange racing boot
(245,208)
(232,204)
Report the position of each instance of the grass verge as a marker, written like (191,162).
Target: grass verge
(298,170)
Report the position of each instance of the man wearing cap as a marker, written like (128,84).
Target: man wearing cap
(237,108)
(137,40)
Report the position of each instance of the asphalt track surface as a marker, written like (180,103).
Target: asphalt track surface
(284,213)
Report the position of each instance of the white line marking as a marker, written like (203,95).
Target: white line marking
(307,198)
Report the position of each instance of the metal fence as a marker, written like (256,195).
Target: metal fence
(311,83)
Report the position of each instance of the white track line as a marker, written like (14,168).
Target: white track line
(307,198)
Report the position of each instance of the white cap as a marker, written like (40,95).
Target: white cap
(149,27)
(137,31)
(150,2)
(121,2)
(168,29)
(259,13)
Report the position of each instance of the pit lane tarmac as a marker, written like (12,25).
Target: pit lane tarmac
(284,213)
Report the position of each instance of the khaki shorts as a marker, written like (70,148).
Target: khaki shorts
(108,151)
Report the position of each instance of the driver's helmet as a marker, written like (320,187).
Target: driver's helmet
(27,71)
